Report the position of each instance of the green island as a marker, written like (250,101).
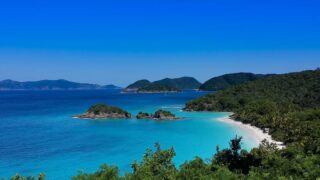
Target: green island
(166,85)
(288,105)
(103,111)
(158,115)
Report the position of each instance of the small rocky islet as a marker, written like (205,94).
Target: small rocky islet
(158,115)
(104,111)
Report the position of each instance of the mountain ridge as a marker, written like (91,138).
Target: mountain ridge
(59,84)
(164,85)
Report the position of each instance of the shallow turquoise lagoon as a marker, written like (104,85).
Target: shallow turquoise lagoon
(38,133)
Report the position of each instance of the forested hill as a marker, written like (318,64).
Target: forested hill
(180,83)
(288,104)
(164,85)
(227,80)
(156,88)
(139,84)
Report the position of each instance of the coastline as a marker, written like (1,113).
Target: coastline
(256,133)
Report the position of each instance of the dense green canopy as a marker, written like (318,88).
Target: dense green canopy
(138,84)
(103,108)
(163,85)
(180,83)
(287,104)
(228,80)
(157,88)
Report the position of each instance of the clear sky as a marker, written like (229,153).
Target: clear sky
(117,41)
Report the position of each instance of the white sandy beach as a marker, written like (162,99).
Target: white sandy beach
(256,134)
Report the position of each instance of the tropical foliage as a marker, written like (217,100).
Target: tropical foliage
(103,108)
(180,83)
(167,84)
(139,84)
(163,114)
(265,162)
(157,88)
(228,80)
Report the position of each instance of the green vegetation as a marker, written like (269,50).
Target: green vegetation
(228,80)
(157,88)
(142,115)
(180,83)
(139,84)
(265,162)
(158,115)
(162,114)
(164,85)
(19,177)
(286,104)
(103,111)
(103,108)
(289,106)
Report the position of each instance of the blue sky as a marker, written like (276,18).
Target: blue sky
(122,41)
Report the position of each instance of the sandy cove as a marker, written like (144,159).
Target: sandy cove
(257,134)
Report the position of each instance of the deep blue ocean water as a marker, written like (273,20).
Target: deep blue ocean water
(38,133)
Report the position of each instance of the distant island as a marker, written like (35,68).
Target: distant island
(167,85)
(178,84)
(103,111)
(60,84)
(164,85)
(227,80)
(158,115)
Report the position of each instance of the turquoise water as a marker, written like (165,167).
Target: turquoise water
(38,133)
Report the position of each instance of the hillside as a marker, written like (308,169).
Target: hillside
(227,80)
(138,84)
(286,104)
(180,83)
(49,85)
(156,88)
(164,85)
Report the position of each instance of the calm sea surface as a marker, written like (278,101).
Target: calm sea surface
(38,133)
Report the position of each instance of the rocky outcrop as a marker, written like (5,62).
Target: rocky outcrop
(158,115)
(164,115)
(142,115)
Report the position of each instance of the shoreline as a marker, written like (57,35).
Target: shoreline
(255,133)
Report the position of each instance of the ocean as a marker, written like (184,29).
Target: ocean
(38,133)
